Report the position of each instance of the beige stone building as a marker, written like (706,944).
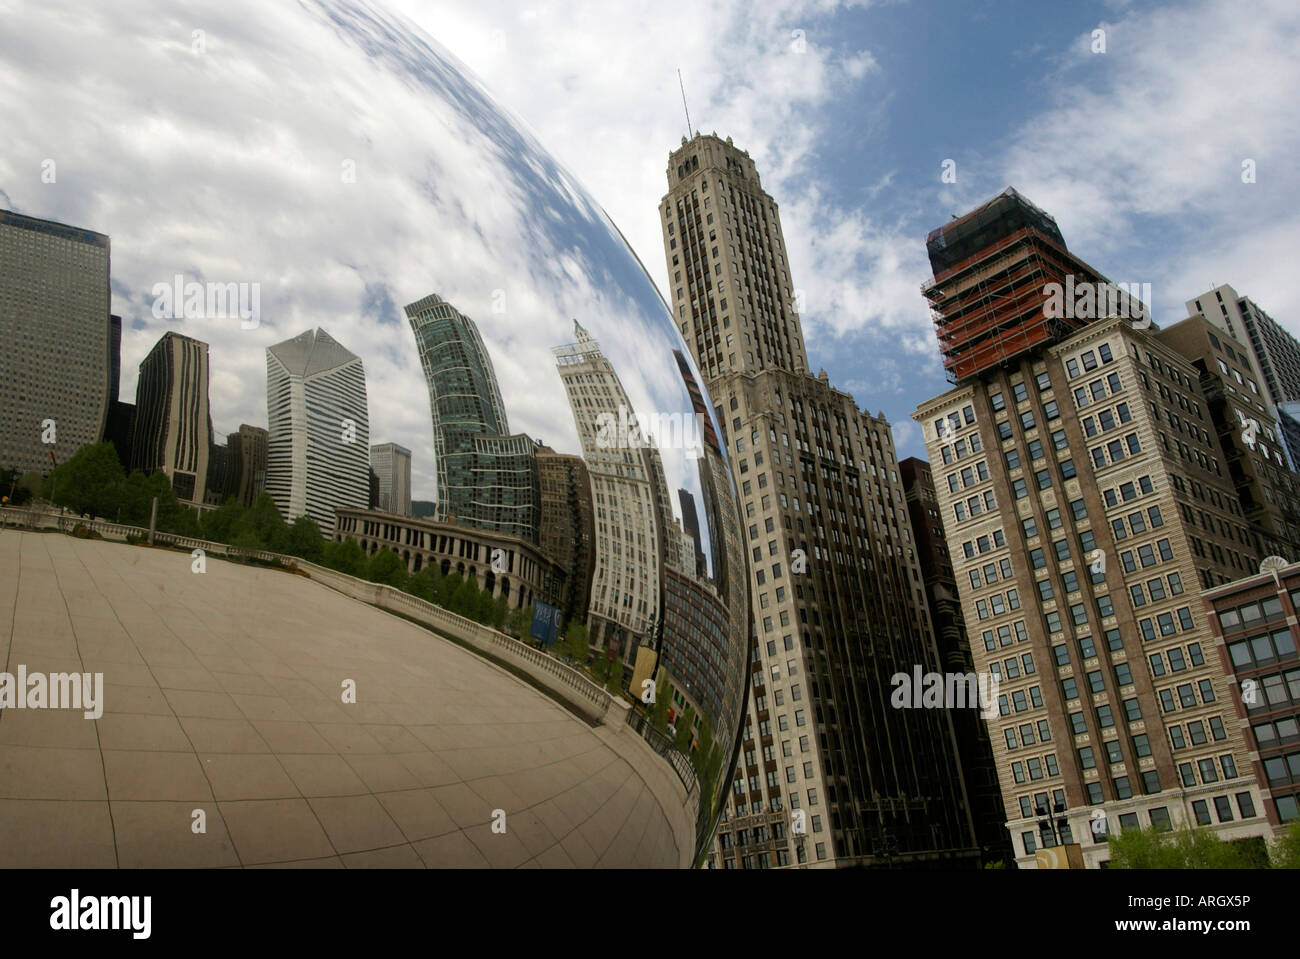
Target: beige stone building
(829,773)
(1087,502)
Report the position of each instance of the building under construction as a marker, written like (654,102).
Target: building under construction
(987,296)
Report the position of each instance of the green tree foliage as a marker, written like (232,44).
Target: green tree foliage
(266,523)
(303,539)
(518,621)
(16,489)
(1285,850)
(614,676)
(88,483)
(685,730)
(219,524)
(577,642)
(387,567)
(446,588)
(346,557)
(663,699)
(500,612)
(1188,847)
(423,585)
(465,600)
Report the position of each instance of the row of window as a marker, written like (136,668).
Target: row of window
(1115,451)
(1088,359)
(1011,668)
(1035,768)
(1246,615)
(1184,696)
(1098,390)
(1262,650)
(983,544)
(1087,648)
(997,604)
(1175,659)
(1027,734)
(1208,769)
(1195,732)
(1163,624)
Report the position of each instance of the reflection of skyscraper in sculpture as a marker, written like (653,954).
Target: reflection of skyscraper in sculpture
(173,427)
(318,449)
(625,589)
(566,531)
(487,478)
(706,623)
(691,528)
(392,464)
(248,451)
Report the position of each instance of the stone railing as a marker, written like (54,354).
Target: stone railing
(574,687)
(590,700)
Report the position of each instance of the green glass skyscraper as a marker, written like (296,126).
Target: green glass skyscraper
(487,477)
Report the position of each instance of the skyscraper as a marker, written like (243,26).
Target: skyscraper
(392,464)
(566,531)
(318,450)
(831,773)
(1275,352)
(995,263)
(1250,437)
(974,751)
(55,374)
(626,583)
(173,425)
(248,459)
(1086,500)
(487,477)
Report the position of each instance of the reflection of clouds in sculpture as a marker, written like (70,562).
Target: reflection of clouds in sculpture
(233,165)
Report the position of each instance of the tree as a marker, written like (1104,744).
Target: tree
(663,699)
(423,585)
(219,524)
(685,730)
(345,557)
(464,602)
(577,642)
(247,541)
(614,675)
(1188,847)
(265,521)
(90,482)
(485,608)
(387,567)
(446,588)
(1285,851)
(500,612)
(303,539)
(518,621)
(30,482)
(14,489)
(135,505)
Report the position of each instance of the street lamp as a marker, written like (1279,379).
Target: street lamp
(1056,823)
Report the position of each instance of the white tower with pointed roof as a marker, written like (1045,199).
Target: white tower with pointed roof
(318,450)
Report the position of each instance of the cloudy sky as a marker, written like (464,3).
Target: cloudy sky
(1136,151)
(213,165)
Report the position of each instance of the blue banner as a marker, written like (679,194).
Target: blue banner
(546,622)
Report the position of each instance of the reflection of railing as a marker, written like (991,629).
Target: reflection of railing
(513,651)
(662,745)
(571,685)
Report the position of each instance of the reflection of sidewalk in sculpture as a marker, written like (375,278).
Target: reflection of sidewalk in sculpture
(223,693)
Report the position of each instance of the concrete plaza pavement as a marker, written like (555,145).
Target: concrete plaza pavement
(223,692)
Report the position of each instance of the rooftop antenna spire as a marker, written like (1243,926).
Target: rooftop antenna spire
(689,134)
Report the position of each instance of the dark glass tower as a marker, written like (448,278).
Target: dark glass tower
(487,477)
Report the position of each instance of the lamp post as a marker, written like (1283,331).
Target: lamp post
(1054,822)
